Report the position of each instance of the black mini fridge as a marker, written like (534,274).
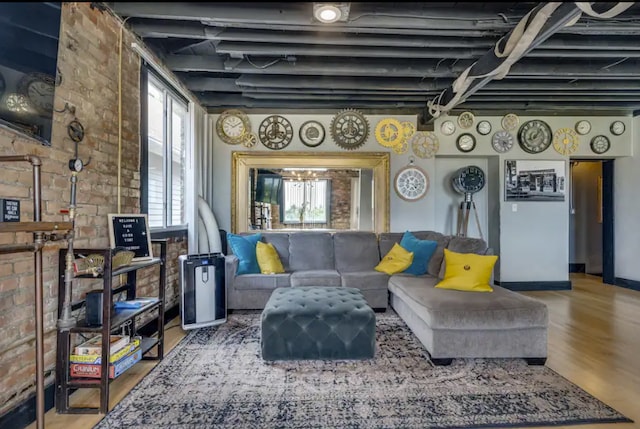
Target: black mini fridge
(203,299)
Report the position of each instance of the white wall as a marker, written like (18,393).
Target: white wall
(533,242)
(627,211)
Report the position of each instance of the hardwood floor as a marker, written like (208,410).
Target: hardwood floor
(594,341)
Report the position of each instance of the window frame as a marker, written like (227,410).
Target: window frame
(165,231)
(327,198)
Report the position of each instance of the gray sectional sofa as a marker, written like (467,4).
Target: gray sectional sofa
(449,323)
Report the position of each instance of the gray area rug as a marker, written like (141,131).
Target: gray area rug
(215,378)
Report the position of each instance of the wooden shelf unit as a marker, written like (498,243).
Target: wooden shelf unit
(112,320)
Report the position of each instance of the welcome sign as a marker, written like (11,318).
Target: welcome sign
(131,232)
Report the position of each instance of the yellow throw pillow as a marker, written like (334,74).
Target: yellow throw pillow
(268,259)
(467,271)
(396,261)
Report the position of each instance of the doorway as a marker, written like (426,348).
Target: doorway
(591,218)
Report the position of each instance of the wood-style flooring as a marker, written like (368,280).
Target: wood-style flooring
(594,341)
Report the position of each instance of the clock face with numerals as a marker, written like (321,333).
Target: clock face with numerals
(502,141)
(535,136)
(469,180)
(349,129)
(600,144)
(275,132)
(411,183)
(565,141)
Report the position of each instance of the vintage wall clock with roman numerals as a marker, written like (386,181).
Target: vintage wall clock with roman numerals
(535,136)
(600,144)
(275,132)
(411,182)
(232,126)
(349,129)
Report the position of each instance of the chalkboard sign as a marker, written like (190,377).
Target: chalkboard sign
(131,232)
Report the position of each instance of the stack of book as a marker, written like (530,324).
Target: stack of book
(86,361)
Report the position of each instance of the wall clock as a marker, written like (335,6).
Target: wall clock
(468,180)
(502,141)
(39,89)
(349,129)
(483,128)
(411,183)
(600,144)
(408,128)
(510,121)
(617,128)
(447,128)
(402,147)
(424,144)
(389,132)
(535,136)
(465,120)
(583,127)
(466,142)
(312,133)
(565,141)
(232,125)
(250,140)
(275,132)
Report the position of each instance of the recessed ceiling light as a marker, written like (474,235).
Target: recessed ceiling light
(328,13)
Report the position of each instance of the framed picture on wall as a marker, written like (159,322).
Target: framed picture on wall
(534,180)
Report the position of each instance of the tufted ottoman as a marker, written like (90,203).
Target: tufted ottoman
(315,322)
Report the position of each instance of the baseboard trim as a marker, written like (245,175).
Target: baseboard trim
(577,268)
(23,414)
(533,286)
(629,284)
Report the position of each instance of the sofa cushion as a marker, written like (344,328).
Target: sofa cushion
(453,309)
(268,259)
(396,261)
(467,271)
(422,252)
(280,241)
(355,251)
(365,280)
(244,247)
(311,251)
(315,278)
(261,281)
(387,239)
(463,245)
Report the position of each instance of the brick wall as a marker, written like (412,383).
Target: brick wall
(89,63)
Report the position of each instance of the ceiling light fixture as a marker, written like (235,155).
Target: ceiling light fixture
(329,13)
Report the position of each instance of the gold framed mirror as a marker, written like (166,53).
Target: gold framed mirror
(364,203)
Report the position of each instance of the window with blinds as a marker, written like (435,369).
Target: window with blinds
(167,122)
(305,201)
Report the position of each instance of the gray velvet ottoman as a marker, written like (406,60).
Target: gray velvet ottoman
(315,322)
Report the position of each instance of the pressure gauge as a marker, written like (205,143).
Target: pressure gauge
(76,165)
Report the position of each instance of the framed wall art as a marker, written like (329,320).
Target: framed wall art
(534,180)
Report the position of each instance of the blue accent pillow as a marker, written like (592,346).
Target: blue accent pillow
(244,247)
(422,252)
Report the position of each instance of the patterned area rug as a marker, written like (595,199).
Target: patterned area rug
(215,378)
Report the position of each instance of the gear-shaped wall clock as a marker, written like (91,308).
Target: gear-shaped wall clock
(349,129)
(275,132)
(389,132)
(424,144)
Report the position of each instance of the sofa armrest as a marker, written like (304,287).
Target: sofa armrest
(230,270)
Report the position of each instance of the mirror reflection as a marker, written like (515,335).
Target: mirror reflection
(325,191)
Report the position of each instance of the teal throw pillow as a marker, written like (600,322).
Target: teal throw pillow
(244,247)
(422,252)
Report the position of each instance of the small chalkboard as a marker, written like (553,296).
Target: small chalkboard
(131,232)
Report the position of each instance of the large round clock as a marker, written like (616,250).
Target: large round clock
(39,89)
(349,129)
(600,144)
(275,132)
(565,141)
(468,180)
(534,136)
(411,183)
(312,133)
(232,125)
